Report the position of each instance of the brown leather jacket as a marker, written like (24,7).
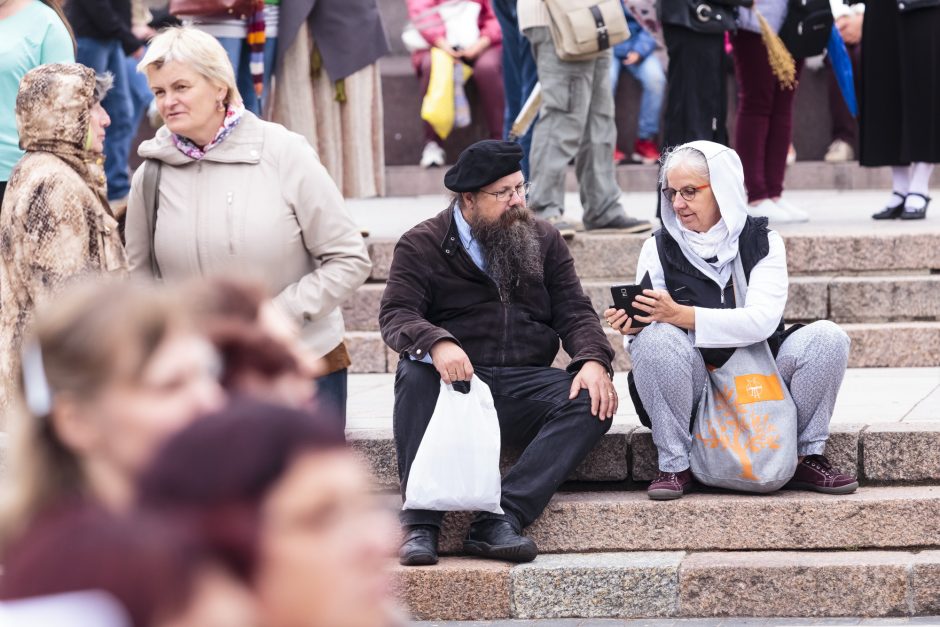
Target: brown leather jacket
(436,292)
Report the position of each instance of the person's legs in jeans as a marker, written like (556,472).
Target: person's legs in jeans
(756,92)
(566,93)
(237,50)
(651,76)
(779,136)
(108,56)
(487,79)
(519,73)
(594,163)
(141,96)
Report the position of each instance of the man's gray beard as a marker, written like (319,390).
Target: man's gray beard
(511,249)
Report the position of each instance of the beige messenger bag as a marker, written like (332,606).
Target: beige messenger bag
(584,29)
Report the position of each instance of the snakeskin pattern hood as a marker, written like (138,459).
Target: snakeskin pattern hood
(53,108)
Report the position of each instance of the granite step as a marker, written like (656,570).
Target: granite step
(874,345)
(897,298)
(599,256)
(879,454)
(676,584)
(904,517)
(405,179)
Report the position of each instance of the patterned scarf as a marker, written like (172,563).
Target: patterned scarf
(256,39)
(233,115)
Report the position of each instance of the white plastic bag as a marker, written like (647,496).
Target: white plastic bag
(457,464)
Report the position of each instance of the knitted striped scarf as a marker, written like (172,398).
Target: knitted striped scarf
(256,39)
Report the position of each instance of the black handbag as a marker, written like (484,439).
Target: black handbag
(702,16)
(805,31)
(905,6)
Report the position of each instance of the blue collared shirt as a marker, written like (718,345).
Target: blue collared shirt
(470,244)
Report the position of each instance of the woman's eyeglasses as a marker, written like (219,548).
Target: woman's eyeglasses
(505,194)
(688,193)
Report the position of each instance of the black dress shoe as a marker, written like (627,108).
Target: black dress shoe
(893,212)
(496,539)
(916,214)
(419,548)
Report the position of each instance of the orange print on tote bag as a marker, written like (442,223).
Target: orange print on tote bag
(744,435)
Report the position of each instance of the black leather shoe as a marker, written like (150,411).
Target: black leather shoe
(893,212)
(419,548)
(496,539)
(916,214)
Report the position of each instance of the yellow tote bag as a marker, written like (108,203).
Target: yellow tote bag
(437,109)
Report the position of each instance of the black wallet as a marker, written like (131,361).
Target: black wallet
(624,295)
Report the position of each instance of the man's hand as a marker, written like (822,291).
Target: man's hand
(451,362)
(593,378)
(850,27)
(632,57)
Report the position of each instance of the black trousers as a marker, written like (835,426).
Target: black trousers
(696,94)
(534,411)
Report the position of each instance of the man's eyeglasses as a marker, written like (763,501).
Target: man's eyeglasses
(688,193)
(505,194)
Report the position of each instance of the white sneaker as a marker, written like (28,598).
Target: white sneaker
(796,214)
(839,152)
(791,155)
(433,155)
(769,209)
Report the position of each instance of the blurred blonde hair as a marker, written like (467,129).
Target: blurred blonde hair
(198,50)
(94,335)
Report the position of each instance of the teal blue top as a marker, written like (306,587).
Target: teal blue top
(30,37)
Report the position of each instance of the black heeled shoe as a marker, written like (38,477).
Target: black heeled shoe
(892,212)
(916,214)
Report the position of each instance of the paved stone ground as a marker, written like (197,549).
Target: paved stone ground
(837,212)
(868,396)
(690,622)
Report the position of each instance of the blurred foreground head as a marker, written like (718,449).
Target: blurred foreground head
(112,370)
(276,490)
(86,567)
(262,355)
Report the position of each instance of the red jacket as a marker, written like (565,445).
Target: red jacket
(489,27)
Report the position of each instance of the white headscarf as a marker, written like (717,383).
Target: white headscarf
(726,177)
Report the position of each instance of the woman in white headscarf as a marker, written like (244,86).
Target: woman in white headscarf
(695,322)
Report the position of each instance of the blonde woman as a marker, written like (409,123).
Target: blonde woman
(237,194)
(111,371)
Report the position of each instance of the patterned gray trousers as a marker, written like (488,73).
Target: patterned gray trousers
(670,377)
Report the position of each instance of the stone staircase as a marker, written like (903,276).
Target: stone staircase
(882,287)
(609,552)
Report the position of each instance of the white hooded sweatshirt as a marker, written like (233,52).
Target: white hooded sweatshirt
(767,288)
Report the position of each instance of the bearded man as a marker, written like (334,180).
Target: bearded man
(485,289)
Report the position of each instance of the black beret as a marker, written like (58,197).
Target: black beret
(482,163)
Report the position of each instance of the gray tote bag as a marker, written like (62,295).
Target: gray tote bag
(744,436)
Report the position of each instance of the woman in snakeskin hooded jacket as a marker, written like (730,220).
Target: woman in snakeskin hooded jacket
(55,222)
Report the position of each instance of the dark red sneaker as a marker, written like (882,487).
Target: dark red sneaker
(645,151)
(817,474)
(671,485)
(619,156)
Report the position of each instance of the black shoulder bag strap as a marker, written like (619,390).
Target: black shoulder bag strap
(153,169)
